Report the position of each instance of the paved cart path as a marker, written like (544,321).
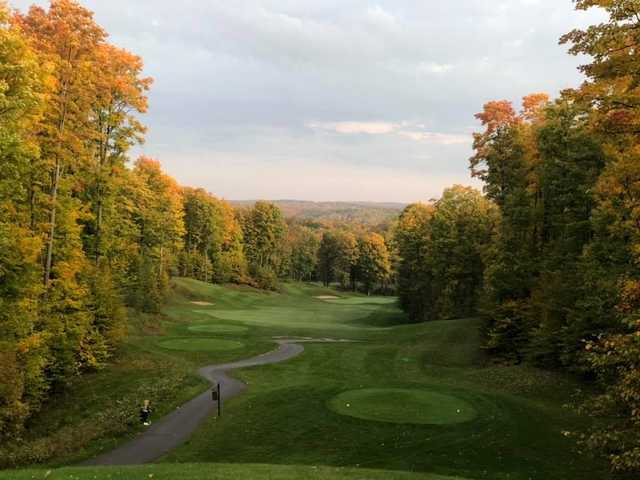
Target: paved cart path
(170,431)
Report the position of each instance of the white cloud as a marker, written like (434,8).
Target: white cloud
(408,130)
(517,43)
(371,128)
(242,79)
(380,17)
(434,67)
(438,138)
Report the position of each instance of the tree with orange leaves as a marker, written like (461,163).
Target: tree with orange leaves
(23,347)
(120,96)
(539,166)
(67,38)
(68,106)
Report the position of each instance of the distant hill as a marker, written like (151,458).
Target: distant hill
(370,213)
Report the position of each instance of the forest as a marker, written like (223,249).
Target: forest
(548,255)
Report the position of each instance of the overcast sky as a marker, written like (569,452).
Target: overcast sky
(333,99)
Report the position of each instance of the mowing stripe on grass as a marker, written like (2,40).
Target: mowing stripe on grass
(217,328)
(191,344)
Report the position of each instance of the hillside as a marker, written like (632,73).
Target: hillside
(369,213)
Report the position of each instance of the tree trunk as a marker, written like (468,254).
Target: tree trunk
(100,187)
(98,231)
(205,269)
(52,229)
(56,183)
(32,199)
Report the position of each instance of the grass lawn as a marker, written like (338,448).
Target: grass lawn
(407,406)
(208,471)
(190,344)
(422,399)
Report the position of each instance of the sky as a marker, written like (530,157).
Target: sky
(344,100)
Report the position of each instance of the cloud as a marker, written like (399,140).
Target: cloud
(405,129)
(370,128)
(381,18)
(439,138)
(365,88)
(433,67)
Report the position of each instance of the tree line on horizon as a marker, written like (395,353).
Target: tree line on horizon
(257,246)
(550,255)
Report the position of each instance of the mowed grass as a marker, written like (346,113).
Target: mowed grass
(510,422)
(207,471)
(200,344)
(408,406)
(511,419)
(216,328)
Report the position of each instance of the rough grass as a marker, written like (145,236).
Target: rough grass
(284,418)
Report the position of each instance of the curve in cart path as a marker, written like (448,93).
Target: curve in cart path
(175,428)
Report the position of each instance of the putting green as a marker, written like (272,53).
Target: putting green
(397,405)
(217,328)
(200,344)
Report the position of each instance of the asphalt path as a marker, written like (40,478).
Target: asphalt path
(174,429)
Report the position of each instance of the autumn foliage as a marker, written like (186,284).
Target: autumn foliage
(562,289)
(69,244)
(549,256)
(557,276)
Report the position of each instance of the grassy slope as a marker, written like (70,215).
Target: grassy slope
(99,409)
(284,417)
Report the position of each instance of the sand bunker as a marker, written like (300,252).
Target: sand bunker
(202,304)
(327,297)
